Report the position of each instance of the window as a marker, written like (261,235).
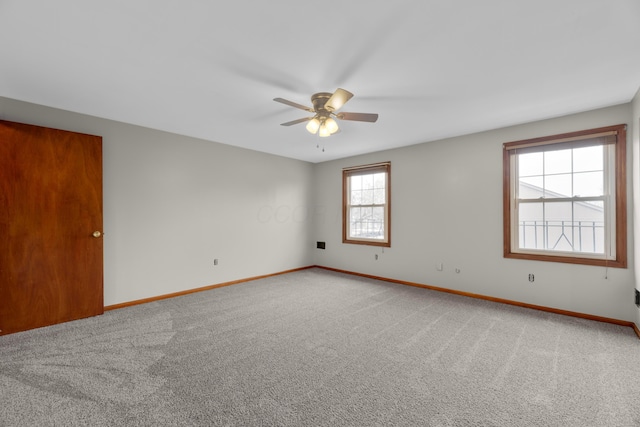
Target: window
(366,205)
(565,198)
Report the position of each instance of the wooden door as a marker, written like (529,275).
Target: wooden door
(50,206)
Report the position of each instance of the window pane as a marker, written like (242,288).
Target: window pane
(562,226)
(356,197)
(379,180)
(367,182)
(376,229)
(355,182)
(589,226)
(531,225)
(367,223)
(379,196)
(557,161)
(531,188)
(356,214)
(558,223)
(355,221)
(530,164)
(379,193)
(557,186)
(588,159)
(588,184)
(368,189)
(367,197)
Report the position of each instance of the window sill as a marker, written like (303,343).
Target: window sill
(619,263)
(367,242)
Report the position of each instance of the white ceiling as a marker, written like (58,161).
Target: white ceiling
(430,68)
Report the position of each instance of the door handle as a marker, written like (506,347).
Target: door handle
(97,234)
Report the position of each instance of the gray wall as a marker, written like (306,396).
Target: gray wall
(447,208)
(172,204)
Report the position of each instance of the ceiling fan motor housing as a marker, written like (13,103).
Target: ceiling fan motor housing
(319,100)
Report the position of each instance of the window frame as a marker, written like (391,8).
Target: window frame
(366,170)
(619,229)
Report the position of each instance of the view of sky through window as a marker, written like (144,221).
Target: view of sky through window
(574,172)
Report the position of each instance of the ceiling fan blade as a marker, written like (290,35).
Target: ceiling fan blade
(358,117)
(295,122)
(294,104)
(338,99)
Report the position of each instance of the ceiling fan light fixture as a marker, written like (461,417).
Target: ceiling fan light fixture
(324,130)
(331,125)
(313,125)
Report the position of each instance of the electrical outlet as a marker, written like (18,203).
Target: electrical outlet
(439,266)
(532,277)
(215,261)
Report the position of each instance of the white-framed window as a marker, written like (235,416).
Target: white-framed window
(565,197)
(366,214)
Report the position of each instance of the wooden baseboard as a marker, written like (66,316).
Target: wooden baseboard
(192,291)
(500,300)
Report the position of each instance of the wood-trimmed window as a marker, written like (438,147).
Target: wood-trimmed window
(565,198)
(366,204)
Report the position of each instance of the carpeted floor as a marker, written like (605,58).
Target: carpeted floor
(318,348)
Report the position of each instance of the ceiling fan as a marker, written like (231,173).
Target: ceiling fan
(325,107)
